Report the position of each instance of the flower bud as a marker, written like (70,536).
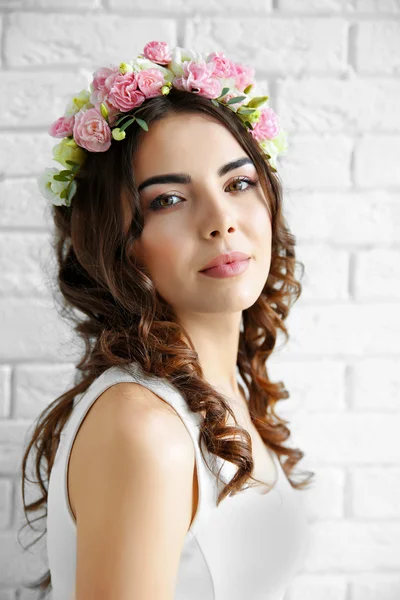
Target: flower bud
(104,110)
(118,134)
(125,68)
(166,88)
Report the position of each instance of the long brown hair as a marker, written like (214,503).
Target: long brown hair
(122,319)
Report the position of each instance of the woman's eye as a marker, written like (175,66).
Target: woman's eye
(166,197)
(240,180)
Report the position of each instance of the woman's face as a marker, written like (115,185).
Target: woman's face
(197,221)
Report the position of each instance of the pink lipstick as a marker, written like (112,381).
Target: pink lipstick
(228,270)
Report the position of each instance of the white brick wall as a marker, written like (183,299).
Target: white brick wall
(332,68)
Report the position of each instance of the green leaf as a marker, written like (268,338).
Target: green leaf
(246,111)
(257,101)
(224,91)
(249,124)
(236,99)
(60,178)
(75,169)
(213,100)
(127,123)
(66,172)
(247,90)
(142,124)
(128,116)
(72,163)
(71,191)
(63,193)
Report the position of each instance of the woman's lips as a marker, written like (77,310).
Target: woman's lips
(228,270)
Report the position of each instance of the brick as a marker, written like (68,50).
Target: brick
(53,4)
(19,564)
(37,99)
(324,499)
(314,587)
(45,39)
(378,47)
(343,439)
(370,586)
(5,390)
(376,378)
(22,205)
(377,274)
(275,46)
(319,282)
(24,566)
(350,105)
(384,502)
(181,7)
(314,6)
(36,386)
(377,6)
(27,153)
(26,267)
(1,37)
(9,594)
(32,329)
(314,385)
(5,502)
(13,437)
(354,546)
(321,161)
(340,6)
(377,161)
(337,330)
(372,216)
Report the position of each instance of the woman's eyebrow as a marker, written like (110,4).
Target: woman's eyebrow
(185,178)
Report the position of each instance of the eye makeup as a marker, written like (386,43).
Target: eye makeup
(154,206)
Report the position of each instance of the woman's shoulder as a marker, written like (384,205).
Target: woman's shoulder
(127,415)
(128,407)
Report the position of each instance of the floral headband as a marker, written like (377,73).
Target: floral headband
(95,117)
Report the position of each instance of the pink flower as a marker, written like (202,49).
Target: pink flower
(267,126)
(91,131)
(197,78)
(150,82)
(223,66)
(102,83)
(62,127)
(124,93)
(158,52)
(244,76)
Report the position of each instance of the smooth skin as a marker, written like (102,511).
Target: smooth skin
(132,476)
(131,488)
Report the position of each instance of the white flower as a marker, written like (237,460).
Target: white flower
(68,149)
(141,64)
(230,82)
(275,147)
(180,55)
(50,188)
(78,102)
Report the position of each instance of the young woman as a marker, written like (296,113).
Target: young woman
(166,480)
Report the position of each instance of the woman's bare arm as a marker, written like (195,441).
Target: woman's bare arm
(134,503)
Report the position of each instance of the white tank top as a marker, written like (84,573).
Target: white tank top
(250,546)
